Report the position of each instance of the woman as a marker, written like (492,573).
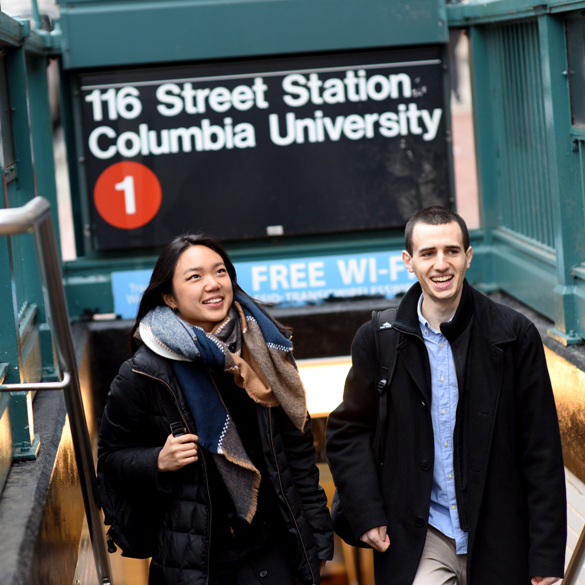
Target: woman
(205,458)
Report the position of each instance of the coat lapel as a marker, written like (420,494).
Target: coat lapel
(484,377)
(409,352)
(483,402)
(482,388)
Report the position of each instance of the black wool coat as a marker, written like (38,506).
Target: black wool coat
(168,515)
(509,472)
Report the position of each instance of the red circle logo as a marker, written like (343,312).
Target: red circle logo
(127,195)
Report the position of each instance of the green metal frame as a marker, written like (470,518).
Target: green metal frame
(549,279)
(478,12)
(141,32)
(27,352)
(197,31)
(89,286)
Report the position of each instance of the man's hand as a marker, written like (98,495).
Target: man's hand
(544,580)
(321,566)
(178,452)
(377,538)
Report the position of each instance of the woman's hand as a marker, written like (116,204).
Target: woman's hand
(178,452)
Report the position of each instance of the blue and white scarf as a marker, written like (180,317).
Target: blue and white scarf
(248,345)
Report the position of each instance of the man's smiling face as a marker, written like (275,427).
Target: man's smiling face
(439,261)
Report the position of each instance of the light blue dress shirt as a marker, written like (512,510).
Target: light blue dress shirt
(443,514)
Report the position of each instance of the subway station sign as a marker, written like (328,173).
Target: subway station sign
(291,146)
(297,281)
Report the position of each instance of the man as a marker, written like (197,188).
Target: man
(472,489)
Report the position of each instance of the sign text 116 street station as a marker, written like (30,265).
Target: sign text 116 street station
(311,145)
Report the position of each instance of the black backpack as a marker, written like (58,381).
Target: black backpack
(382,322)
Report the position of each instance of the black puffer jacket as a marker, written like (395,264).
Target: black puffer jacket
(145,398)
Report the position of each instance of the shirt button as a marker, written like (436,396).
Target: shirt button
(442,378)
(441,345)
(443,411)
(450,476)
(426,330)
(446,444)
(453,507)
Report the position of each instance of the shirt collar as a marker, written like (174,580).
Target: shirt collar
(424,323)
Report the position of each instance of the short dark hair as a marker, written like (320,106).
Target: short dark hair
(435,215)
(161,281)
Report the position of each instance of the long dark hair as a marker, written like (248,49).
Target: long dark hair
(161,281)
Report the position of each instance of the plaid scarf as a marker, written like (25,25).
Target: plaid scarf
(249,346)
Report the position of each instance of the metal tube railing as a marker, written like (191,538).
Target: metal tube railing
(38,385)
(576,563)
(35,216)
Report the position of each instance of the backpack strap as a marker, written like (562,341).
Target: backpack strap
(385,338)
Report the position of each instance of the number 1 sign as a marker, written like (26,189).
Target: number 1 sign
(127,195)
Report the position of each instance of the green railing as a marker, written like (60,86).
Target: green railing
(34,218)
(27,169)
(523,194)
(529,154)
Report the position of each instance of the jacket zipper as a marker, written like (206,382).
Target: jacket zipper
(284,496)
(172,394)
(210,515)
(202,460)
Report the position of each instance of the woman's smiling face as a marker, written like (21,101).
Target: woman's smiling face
(202,288)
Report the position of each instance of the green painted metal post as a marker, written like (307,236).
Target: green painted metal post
(26,443)
(17,86)
(41,135)
(66,101)
(8,331)
(569,230)
(28,302)
(23,187)
(484,147)
(8,334)
(45,185)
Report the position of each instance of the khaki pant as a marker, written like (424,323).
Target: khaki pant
(440,564)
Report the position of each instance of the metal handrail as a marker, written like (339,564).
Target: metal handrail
(576,563)
(35,217)
(38,385)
